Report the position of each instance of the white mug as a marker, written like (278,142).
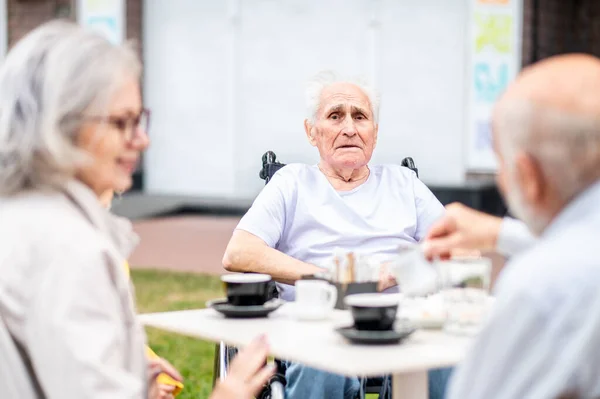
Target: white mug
(315,299)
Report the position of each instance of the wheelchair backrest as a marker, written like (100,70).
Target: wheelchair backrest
(270,165)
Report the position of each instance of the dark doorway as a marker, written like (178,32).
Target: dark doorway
(552,27)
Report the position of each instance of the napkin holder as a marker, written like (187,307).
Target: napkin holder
(366,287)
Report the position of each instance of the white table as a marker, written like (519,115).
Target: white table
(316,344)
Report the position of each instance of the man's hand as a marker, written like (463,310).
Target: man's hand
(157,390)
(247,374)
(460,229)
(386,279)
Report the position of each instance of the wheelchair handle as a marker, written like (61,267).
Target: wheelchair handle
(269,157)
(410,164)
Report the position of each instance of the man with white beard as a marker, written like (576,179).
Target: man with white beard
(543,337)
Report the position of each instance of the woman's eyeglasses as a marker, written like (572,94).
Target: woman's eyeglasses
(129,126)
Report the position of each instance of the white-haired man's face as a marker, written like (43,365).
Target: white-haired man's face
(345,131)
(520,185)
(519,206)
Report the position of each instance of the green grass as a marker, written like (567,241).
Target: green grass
(159,291)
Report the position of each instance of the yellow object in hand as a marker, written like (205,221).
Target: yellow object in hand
(162,378)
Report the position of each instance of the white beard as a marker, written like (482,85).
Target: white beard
(521,210)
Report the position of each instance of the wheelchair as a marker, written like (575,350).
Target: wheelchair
(275,387)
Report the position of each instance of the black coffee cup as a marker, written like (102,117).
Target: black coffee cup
(373,312)
(247,289)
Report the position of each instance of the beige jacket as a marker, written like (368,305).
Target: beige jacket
(65,300)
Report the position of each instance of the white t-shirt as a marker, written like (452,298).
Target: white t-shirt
(300,214)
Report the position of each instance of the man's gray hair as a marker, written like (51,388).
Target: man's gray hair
(53,76)
(324,79)
(567,146)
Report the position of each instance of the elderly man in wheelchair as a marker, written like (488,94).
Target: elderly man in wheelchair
(307,212)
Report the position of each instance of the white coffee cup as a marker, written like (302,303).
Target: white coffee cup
(315,299)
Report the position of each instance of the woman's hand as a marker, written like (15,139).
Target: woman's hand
(247,374)
(157,390)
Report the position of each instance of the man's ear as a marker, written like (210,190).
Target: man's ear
(310,133)
(375,131)
(530,178)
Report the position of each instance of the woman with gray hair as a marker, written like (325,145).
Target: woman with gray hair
(72,127)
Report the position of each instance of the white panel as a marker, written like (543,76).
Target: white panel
(422,83)
(186,79)
(283,44)
(224,89)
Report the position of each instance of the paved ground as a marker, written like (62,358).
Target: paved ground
(183,243)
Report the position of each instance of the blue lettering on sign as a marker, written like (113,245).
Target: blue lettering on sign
(489,81)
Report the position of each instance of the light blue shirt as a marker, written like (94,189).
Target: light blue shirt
(302,215)
(543,338)
(514,237)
